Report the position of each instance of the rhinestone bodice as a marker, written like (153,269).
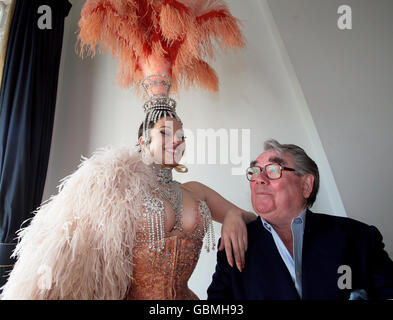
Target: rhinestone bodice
(164,274)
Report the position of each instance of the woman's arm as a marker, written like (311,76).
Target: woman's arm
(233,219)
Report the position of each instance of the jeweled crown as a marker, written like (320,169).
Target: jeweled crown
(157,87)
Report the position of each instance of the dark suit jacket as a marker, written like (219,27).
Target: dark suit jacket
(328,243)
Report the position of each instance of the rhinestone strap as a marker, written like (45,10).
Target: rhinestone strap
(164,175)
(208,227)
(171,192)
(154,216)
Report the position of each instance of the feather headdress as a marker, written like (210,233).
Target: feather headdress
(181,35)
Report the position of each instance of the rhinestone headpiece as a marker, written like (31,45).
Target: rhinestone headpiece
(157,87)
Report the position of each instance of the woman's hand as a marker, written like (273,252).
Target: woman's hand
(234,238)
(233,219)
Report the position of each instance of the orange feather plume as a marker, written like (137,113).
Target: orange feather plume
(183,34)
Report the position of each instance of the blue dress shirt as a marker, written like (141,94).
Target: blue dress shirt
(294,265)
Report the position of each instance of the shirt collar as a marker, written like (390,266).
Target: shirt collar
(300,219)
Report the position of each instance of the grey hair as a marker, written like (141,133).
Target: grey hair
(302,162)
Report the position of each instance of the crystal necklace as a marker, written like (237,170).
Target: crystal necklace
(170,191)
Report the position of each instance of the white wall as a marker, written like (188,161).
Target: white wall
(258,92)
(347,79)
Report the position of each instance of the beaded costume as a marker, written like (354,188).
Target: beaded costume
(164,261)
(107,234)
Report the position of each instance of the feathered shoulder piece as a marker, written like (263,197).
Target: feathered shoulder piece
(79,244)
(182,32)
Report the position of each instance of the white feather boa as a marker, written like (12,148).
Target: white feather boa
(79,243)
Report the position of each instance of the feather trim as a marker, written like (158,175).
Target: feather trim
(79,243)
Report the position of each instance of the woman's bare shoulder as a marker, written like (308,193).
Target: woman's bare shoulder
(196,188)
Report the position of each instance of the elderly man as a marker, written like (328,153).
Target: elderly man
(294,253)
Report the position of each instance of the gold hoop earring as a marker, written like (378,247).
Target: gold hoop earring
(181,168)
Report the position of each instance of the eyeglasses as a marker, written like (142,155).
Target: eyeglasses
(273,171)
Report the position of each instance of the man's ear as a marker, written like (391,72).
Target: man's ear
(308,184)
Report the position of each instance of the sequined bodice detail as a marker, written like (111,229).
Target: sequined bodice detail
(164,274)
(166,250)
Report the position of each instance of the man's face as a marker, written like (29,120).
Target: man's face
(279,201)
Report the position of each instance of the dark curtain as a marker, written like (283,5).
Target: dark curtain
(27,109)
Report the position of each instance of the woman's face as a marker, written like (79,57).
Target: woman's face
(167,143)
